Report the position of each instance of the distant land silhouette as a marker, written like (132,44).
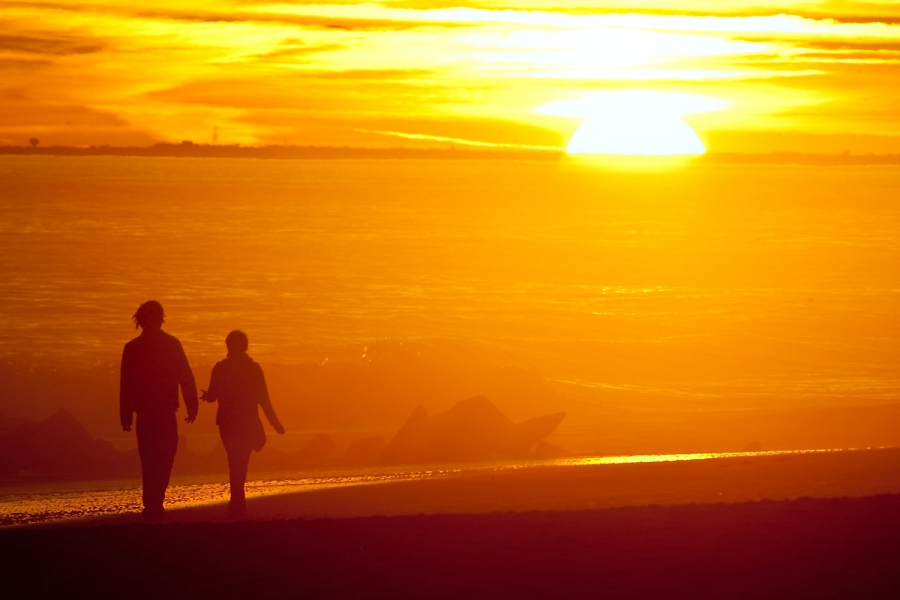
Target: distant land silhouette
(192,150)
(189,149)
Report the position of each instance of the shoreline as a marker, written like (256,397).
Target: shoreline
(523,488)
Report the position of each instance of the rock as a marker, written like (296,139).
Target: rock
(271,459)
(545,451)
(187,461)
(365,451)
(316,451)
(58,445)
(753,447)
(471,430)
(9,424)
(526,434)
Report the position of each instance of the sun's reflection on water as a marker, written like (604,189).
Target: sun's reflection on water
(657,458)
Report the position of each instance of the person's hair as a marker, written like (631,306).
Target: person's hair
(237,341)
(149,314)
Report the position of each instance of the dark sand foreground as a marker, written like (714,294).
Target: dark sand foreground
(667,530)
(809,548)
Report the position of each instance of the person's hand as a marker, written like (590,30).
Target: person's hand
(190,418)
(279,428)
(204,397)
(126,427)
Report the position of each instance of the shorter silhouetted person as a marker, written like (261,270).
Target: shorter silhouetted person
(238,384)
(153,367)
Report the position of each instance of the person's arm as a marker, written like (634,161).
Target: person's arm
(212,394)
(126,390)
(266,403)
(188,385)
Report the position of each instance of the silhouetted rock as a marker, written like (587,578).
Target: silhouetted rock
(753,447)
(470,430)
(316,451)
(545,451)
(365,451)
(58,445)
(187,461)
(271,459)
(9,424)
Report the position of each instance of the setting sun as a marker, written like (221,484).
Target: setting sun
(634,122)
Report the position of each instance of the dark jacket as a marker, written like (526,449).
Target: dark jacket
(153,366)
(238,384)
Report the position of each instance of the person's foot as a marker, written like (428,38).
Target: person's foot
(154,514)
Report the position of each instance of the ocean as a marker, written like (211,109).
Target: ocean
(715,275)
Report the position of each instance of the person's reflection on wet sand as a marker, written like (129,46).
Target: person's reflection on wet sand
(238,384)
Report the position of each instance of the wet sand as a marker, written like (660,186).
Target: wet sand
(729,480)
(797,526)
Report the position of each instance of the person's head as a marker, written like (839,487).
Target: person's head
(149,315)
(237,342)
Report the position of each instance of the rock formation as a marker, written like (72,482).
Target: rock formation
(365,451)
(471,430)
(58,445)
(316,452)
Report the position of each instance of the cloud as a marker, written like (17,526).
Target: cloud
(28,65)
(261,70)
(384,131)
(291,49)
(306,21)
(229,15)
(21,111)
(839,11)
(55,46)
(353,90)
(869,45)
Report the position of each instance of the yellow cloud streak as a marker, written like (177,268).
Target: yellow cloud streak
(462,141)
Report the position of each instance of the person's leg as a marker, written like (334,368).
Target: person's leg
(167,451)
(238,462)
(145,438)
(157,443)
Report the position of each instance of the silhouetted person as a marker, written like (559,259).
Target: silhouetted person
(239,386)
(153,367)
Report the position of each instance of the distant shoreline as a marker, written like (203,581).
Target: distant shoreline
(190,150)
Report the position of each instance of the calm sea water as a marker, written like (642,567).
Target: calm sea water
(768,277)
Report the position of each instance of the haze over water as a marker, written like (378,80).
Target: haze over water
(736,284)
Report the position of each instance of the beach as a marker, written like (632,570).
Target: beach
(815,525)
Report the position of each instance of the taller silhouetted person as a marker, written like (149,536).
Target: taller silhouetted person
(153,367)
(239,386)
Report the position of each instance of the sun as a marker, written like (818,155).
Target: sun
(634,123)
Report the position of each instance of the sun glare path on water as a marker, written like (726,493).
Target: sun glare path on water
(23,507)
(659,458)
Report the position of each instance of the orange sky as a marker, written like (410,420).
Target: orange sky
(815,76)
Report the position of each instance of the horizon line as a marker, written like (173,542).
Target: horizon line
(188,149)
